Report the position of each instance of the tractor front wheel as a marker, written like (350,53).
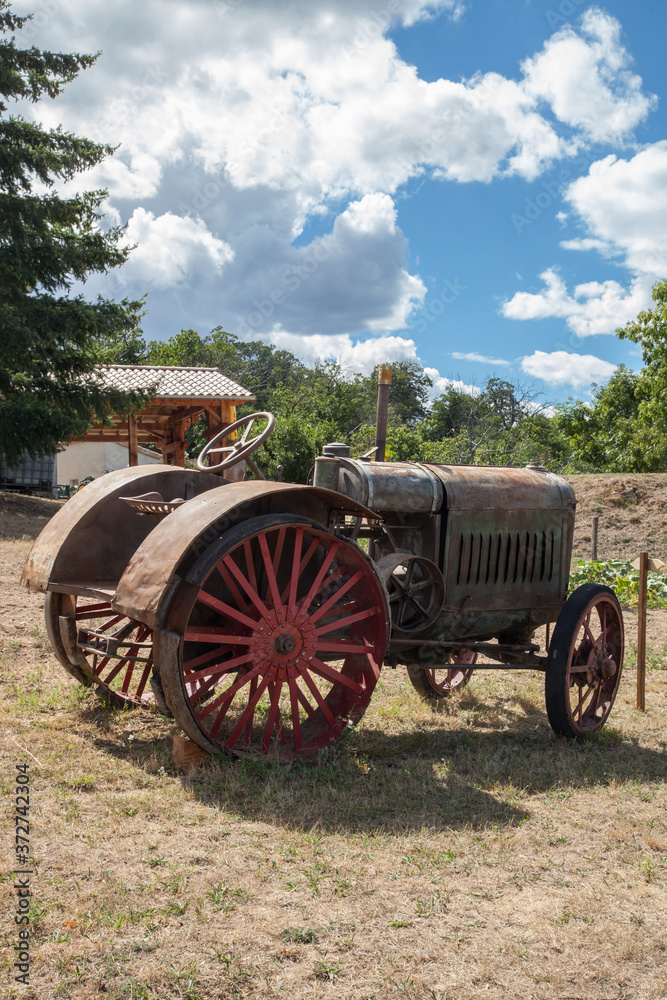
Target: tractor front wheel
(585,661)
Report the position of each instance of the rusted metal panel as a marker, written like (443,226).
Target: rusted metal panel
(491,488)
(92,537)
(161,561)
(506,559)
(402,486)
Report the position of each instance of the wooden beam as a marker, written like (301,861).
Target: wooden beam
(132,440)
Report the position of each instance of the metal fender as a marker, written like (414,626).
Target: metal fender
(94,534)
(163,559)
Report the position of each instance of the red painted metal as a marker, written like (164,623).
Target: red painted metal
(114,652)
(434,684)
(298,641)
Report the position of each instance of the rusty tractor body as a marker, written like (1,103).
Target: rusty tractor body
(259,614)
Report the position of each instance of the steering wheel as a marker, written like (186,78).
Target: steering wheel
(238,450)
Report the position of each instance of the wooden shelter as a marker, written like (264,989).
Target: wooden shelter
(181,395)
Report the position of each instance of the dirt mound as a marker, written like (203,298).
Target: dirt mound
(23,515)
(631,511)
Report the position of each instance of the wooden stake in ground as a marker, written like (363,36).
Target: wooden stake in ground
(594,538)
(641,633)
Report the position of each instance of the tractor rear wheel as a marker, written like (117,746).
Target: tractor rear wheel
(434,685)
(275,642)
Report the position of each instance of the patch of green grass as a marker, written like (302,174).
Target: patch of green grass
(298,935)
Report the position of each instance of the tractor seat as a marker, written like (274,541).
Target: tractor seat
(153,504)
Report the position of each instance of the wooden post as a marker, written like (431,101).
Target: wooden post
(594,537)
(132,445)
(384,385)
(641,633)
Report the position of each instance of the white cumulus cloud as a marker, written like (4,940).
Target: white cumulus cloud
(593,307)
(171,251)
(584,76)
(565,368)
(242,125)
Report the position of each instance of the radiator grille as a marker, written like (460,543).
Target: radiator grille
(506,557)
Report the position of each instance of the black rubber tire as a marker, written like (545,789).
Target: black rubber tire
(563,653)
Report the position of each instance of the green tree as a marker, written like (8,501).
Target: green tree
(603,437)
(49,339)
(497,425)
(649,331)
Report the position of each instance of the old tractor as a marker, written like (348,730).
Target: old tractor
(259,614)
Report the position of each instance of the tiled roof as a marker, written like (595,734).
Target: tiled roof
(173,382)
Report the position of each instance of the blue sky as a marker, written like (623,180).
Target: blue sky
(480,186)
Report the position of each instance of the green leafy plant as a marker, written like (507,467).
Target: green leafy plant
(623,580)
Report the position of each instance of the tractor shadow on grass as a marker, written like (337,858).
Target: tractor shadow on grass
(431,776)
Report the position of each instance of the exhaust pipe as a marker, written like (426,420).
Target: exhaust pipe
(384,385)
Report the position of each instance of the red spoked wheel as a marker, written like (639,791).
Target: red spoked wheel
(434,684)
(111,651)
(282,640)
(585,661)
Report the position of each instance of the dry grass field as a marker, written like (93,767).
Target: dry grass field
(452,855)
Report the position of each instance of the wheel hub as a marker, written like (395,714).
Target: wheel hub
(285,643)
(280,646)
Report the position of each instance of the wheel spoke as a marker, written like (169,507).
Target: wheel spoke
(128,675)
(343,622)
(343,646)
(218,668)
(310,711)
(247,714)
(247,737)
(101,665)
(116,670)
(250,566)
(231,586)
(278,551)
(342,590)
(274,713)
(204,658)
(229,693)
(296,574)
(111,623)
(207,633)
(584,695)
(296,568)
(415,603)
(270,574)
(225,609)
(324,670)
(312,686)
(593,708)
(249,587)
(321,573)
(586,624)
(294,705)
(91,611)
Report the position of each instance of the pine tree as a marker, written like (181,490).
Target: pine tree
(49,339)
